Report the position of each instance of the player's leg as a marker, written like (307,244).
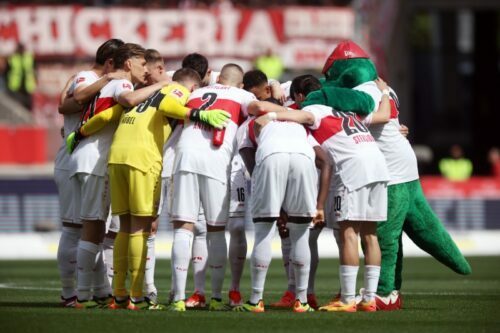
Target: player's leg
(313,246)
(288,297)
(300,205)
(149,274)
(199,260)
(70,235)
(236,227)
(269,181)
(216,208)
(94,210)
(349,266)
(184,210)
(144,202)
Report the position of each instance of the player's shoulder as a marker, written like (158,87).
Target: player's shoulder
(175,89)
(85,77)
(369,87)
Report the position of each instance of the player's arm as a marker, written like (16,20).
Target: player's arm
(84,93)
(130,99)
(257,108)
(325,167)
(276,91)
(67,104)
(100,120)
(301,117)
(248,156)
(93,125)
(383,113)
(174,106)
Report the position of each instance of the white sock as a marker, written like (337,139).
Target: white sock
(313,245)
(199,257)
(237,250)
(181,253)
(102,288)
(66,260)
(372,274)
(85,260)
(149,273)
(107,247)
(348,276)
(300,258)
(261,258)
(217,248)
(286,247)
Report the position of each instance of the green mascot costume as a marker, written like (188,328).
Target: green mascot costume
(348,67)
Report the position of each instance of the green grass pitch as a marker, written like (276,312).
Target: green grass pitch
(435,300)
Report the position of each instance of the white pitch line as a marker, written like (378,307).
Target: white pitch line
(13,286)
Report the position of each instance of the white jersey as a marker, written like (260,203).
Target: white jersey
(282,137)
(353,150)
(169,151)
(399,156)
(195,151)
(91,155)
(72,120)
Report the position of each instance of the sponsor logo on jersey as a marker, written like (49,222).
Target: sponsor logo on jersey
(80,79)
(127,86)
(177,93)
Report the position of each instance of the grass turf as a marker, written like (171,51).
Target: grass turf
(435,300)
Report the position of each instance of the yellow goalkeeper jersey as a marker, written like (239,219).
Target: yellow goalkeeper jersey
(142,131)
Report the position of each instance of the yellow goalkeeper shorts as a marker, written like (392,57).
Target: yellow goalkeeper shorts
(133,191)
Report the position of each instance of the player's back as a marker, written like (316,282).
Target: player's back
(398,153)
(356,156)
(195,146)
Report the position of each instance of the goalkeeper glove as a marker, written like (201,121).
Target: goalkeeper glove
(73,140)
(215,118)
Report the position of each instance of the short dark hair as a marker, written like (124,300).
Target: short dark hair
(107,50)
(197,62)
(127,51)
(184,74)
(304,84)
(254,78)
(153,56)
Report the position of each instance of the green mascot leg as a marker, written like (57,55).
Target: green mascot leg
(398,274)
(426,231)
(389,235)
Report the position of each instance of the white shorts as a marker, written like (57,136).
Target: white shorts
(239,189)
(65,190)
(368,203)
(113,224)
(91,197)
(192,191)
(166,199)
(284,180)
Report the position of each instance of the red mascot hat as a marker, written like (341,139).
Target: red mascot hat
(344,50)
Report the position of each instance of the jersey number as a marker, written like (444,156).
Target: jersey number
(350,124)
(154,100)
(241,194)
(208,100)
(337,203)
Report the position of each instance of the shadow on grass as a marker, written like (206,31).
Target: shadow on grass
(29,305)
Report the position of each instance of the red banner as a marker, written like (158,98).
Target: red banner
(476,187)
(304,37)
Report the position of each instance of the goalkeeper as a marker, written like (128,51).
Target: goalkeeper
(135,164)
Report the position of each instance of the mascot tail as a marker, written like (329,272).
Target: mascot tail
(427,232)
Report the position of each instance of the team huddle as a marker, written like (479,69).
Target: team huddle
(210,148)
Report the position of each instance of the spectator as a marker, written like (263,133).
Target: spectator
(270,64)
(494,159)
(456,167)
(21,81)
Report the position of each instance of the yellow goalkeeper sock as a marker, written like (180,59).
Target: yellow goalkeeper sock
(137,262)
(120,263)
